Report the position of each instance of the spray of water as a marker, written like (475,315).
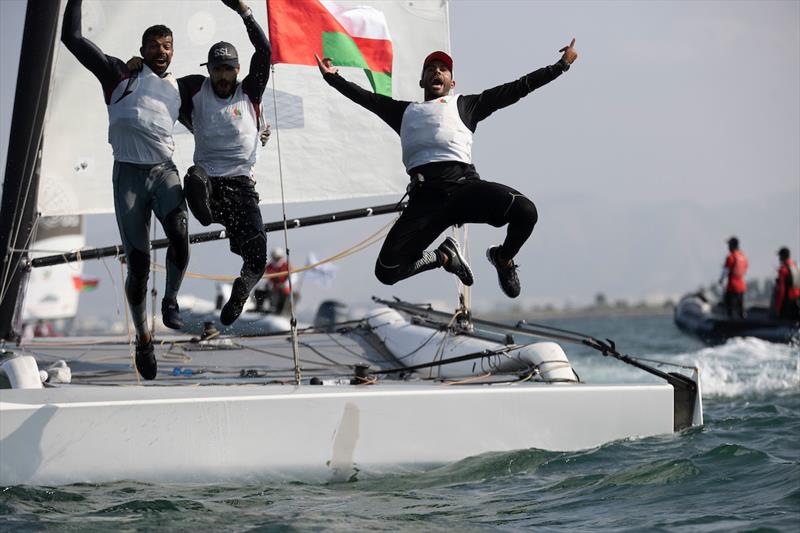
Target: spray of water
(745,366)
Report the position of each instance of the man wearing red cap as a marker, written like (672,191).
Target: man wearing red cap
(445,189)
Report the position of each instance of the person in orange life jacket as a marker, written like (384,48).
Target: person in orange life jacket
(734,269)
(278,286)
(787,287)
(446,190)
(142,110)
(225,118)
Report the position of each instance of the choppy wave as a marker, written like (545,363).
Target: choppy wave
(694,480)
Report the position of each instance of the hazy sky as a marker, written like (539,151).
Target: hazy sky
(678,126)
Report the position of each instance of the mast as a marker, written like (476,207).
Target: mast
(24,151)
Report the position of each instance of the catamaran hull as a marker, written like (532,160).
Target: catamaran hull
(311,433)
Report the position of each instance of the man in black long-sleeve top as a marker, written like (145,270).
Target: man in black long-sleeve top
(142,110)
(445,189)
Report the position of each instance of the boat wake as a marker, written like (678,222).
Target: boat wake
(745,366)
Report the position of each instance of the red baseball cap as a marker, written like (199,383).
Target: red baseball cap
(441,56)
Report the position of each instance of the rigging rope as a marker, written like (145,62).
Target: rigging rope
(358,247)
(153,289)
(131,348)
(293,318)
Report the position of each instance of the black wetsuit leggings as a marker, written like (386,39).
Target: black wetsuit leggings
(435,206)
(138,191)
(234,204)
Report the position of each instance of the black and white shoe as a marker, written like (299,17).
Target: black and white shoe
(233,307)
(456,263)
(506,274)
(170,314)
(146,363)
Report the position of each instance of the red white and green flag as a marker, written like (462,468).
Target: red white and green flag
(351,36)
(84,284)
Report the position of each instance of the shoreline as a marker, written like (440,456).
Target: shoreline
(583,312)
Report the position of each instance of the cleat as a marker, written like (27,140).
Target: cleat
(456,263)
(170,314)
(506,275)
(233,307)
(146,360)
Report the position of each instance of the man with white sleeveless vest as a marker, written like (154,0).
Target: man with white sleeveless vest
(445,189)
(225,117)
(142,110)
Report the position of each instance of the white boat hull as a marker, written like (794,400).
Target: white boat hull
(315,433)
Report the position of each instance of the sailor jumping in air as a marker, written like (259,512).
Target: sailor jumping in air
(445,189)
(225,117)
(142,110)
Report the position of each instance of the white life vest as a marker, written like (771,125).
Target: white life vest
(141,116)
(433,131)
(225,132)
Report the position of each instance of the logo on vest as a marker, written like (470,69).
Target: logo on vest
(237,112)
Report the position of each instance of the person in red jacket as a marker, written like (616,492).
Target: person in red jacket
(278,286)
(787,287)
(734,269)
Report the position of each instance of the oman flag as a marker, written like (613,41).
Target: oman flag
(84,284)
(350,36)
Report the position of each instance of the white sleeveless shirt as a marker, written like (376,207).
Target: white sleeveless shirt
(141,117)
(225,132)
(433,131)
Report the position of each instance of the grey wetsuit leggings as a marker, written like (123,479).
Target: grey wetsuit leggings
(138,190)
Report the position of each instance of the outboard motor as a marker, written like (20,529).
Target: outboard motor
(330,313)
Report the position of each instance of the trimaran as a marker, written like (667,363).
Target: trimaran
(403,387)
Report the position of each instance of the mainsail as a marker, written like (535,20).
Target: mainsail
(330,148)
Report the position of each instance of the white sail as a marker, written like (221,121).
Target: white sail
(53,292)
(331,148)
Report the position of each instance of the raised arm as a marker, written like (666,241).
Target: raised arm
(256,80)
(474,108)
(388,109)
(109,70)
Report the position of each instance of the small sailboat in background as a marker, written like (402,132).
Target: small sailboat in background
(53,293)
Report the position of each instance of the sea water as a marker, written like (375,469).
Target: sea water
(739,472)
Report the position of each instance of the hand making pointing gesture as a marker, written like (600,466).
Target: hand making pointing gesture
(570,55)
(326,65)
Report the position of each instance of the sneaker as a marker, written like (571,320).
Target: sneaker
(170,314)
(456,263)
(506,275)
(146,360)
(233,307)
